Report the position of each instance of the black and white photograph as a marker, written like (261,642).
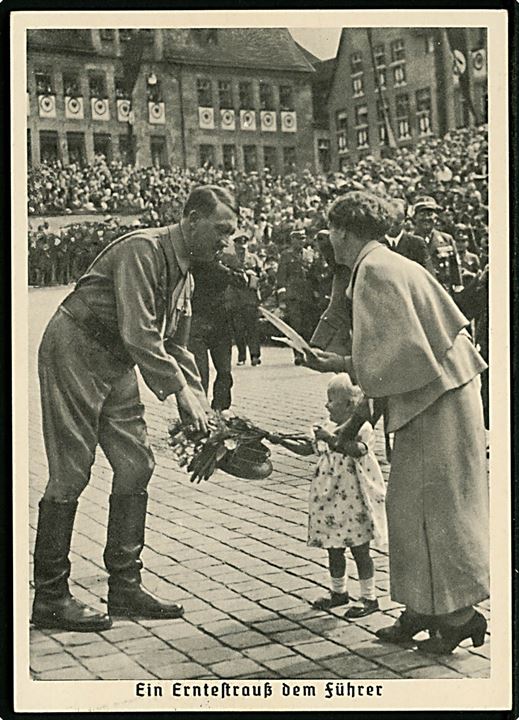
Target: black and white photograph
(258,430)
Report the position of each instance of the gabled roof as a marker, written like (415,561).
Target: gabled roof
(312,59)
(265,48)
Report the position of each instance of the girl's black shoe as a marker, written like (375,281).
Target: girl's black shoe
(330,601)
(365,607)
(449,637)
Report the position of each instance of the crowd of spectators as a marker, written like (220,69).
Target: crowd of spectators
(453,170)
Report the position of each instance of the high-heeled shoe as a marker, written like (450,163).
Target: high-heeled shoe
(404,629)
(449,637)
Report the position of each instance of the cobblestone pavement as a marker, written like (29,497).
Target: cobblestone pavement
(233,552)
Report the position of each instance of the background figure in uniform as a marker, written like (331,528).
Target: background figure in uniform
(469,261)
(243,302)
(296,286)
(131,307)
(211,325)
(441,254)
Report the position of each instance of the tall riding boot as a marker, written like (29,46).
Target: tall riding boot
(124,545)
(54,606)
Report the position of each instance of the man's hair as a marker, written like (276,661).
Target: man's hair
(364,213)
(205,198)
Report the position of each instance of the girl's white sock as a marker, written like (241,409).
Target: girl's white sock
(338,584)
(367,588)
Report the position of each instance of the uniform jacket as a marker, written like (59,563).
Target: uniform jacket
(139,289)
(427,252)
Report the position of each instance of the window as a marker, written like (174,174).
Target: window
(341,122)
(245,93)
(107,35)
(379,53)
(225,94)
(362,138)
(429,44)
(125,149)
(153,89)
(229,157)
(382,134)
(286,97)
(402,116)
(270,159)
(399,75)
(397,51)
(361,115)
(381,79)
(356,62)
(44,85)
(48,146)
(125,35)
(159,157)
(250,158)
(76,148)
(358,85)
(266,96)
(204,92)
(103,145)
(71,84)
(323,152)
(289,159)
(97,85)
(121,93)
(206,154)
(148,37)
(423,110)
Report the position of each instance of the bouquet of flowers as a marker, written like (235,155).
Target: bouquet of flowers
(233,444)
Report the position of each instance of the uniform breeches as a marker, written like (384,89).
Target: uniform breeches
(246,331)
(89,398)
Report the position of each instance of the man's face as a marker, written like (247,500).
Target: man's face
(210,235)
(426,219)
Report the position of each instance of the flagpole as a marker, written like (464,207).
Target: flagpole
(387,122)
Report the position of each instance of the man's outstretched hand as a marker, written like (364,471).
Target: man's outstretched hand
(190,408)
(323,361)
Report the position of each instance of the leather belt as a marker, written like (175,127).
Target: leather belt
(96,328)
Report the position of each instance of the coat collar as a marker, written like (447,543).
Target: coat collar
(179,247)
(368,247)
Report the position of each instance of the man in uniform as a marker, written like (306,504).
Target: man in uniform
(131,307)
(441,257)
(296,286)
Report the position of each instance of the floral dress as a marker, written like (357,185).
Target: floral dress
(346,503)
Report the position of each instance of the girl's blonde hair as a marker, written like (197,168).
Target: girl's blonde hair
(342,382)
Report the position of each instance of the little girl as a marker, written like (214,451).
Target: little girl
(346,504)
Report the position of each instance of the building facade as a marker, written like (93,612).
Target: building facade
(239,99)
(394,86)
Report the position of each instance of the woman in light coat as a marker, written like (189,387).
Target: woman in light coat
(410,346)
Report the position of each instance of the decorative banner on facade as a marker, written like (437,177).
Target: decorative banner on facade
(459,62)
(100,109)
(124,109)
(288,121)
(268,121)
(74,108)
(479,63)
(206,118)
(227,119)
(47,106)
(28,104)
(156,113)
(247,120)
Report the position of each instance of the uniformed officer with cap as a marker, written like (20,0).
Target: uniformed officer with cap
(439,249)
(131,307)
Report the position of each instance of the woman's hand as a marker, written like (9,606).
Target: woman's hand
(324,361)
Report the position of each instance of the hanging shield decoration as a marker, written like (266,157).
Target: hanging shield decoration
(248,120)
(479,63)
(100,109)
(74,108)
(156,113)
(124,108)
(47,106)
(206,118)
(268,121)
(288,121)
(227,119)
(459,64)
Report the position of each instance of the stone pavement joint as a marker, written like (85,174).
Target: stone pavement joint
(232,551)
